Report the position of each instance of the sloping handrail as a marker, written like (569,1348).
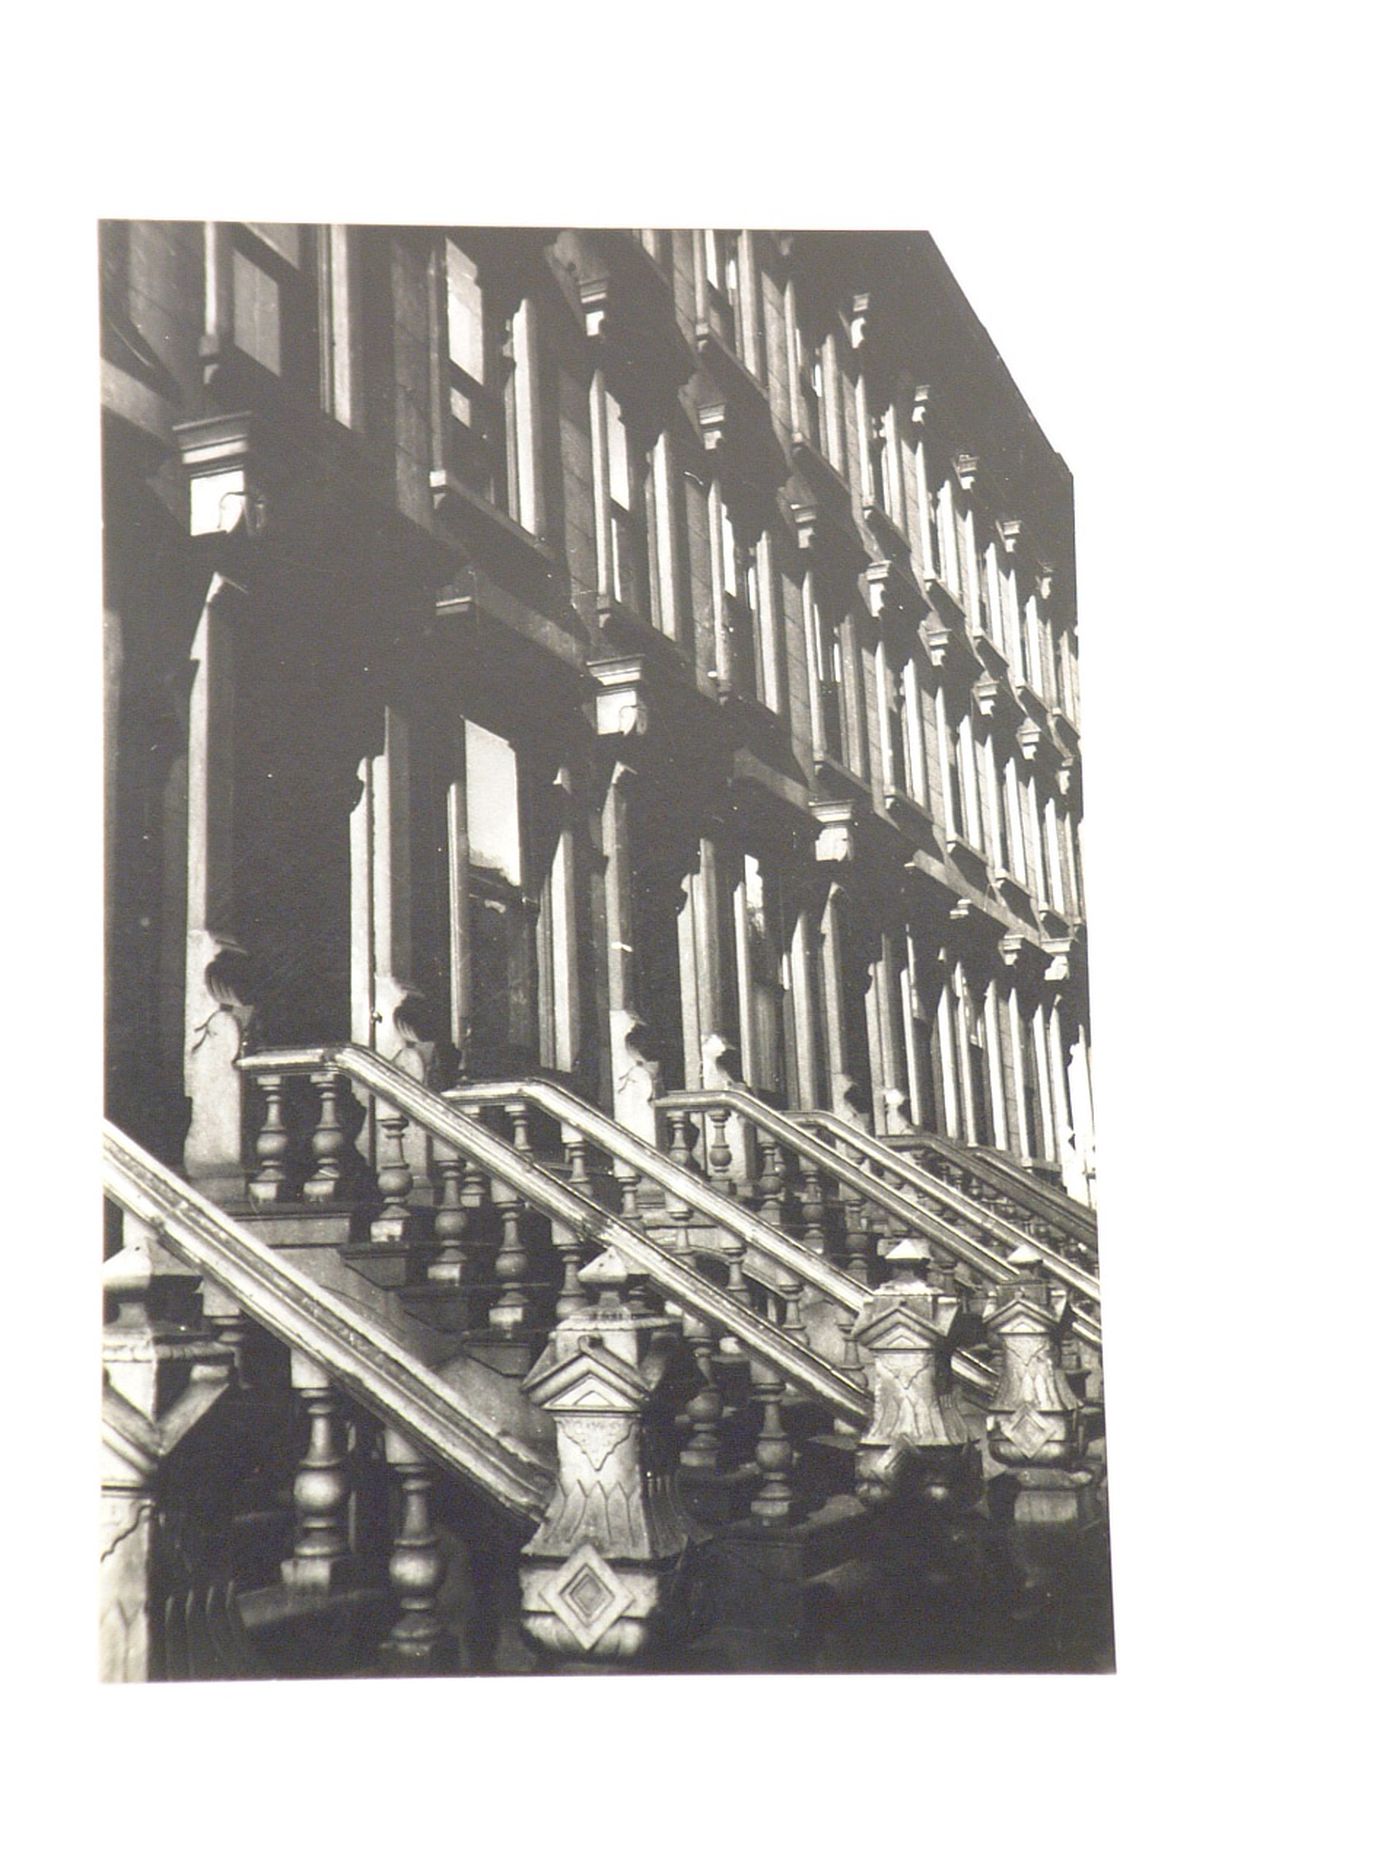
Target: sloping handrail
(355,1352)
(928,1185)
(728,1214)
(685,1286)
(651,1163)
(914,1216)
(784,1129)
(1043,1202)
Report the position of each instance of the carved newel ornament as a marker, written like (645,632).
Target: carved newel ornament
(163,1372)
(917,1439)
(598,1576)
(1033,1422)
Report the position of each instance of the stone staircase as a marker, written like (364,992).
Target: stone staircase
(530,1393)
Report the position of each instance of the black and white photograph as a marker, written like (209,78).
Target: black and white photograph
(600,1259)
(601,1150)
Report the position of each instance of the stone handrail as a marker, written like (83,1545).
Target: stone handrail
(726,1213)
(783,1128)
(651,1164)
(686,1287)
(1043,1202)
(889,1160)
(360,1357)
(914,1216)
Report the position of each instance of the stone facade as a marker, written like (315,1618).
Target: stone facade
(646,655)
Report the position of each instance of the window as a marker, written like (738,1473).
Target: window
(957,807)
(979,1072)
(503,1011)
(730,296)
(886,475)
(966,761)
(1029,1084)
(721,300)
(274,300)
(1014,623)
(1015,823)
(656,243)
(945,539)
(985,590)
(902,733)
(992,806)
(481,443)
(743,604)
(764,1044)
(1050,840)
(629,494)
(811,389)
(875,455)
(831,724)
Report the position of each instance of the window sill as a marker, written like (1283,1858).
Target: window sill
(466,514)
(1006,883)
(826,480)
(959,845)
(1065,729)
(838,777)
(907,811)
(888,534)
(989,653)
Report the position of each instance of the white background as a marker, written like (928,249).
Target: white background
(1178,227)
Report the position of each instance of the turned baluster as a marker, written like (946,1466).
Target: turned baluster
(734,1280)
(851,1367)
(509,1311)
(320,1555)
(576,1158)
(636,1293)
(230,1328)
(328,1144)
(678,1121)
(476,1185)
(878,1226)
(790,1290)
(395,1177)
(678,1153)
(774,1453)
(813,1211)
(858,1242)
(272,1145)
(706,1409)
(628,1181)
(416,1565)
(771,1182)
(450,1225)
(720,1157)
(572,1295)
(518,1114)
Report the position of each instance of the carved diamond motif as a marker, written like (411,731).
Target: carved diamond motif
(1028,1432)
(588,1596)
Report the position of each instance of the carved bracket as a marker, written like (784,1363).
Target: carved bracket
(836,829)
(620,708)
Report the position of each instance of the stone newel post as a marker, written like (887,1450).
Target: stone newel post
(162,1373)
(598,1575)
(917,1438)
(1033,1422)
